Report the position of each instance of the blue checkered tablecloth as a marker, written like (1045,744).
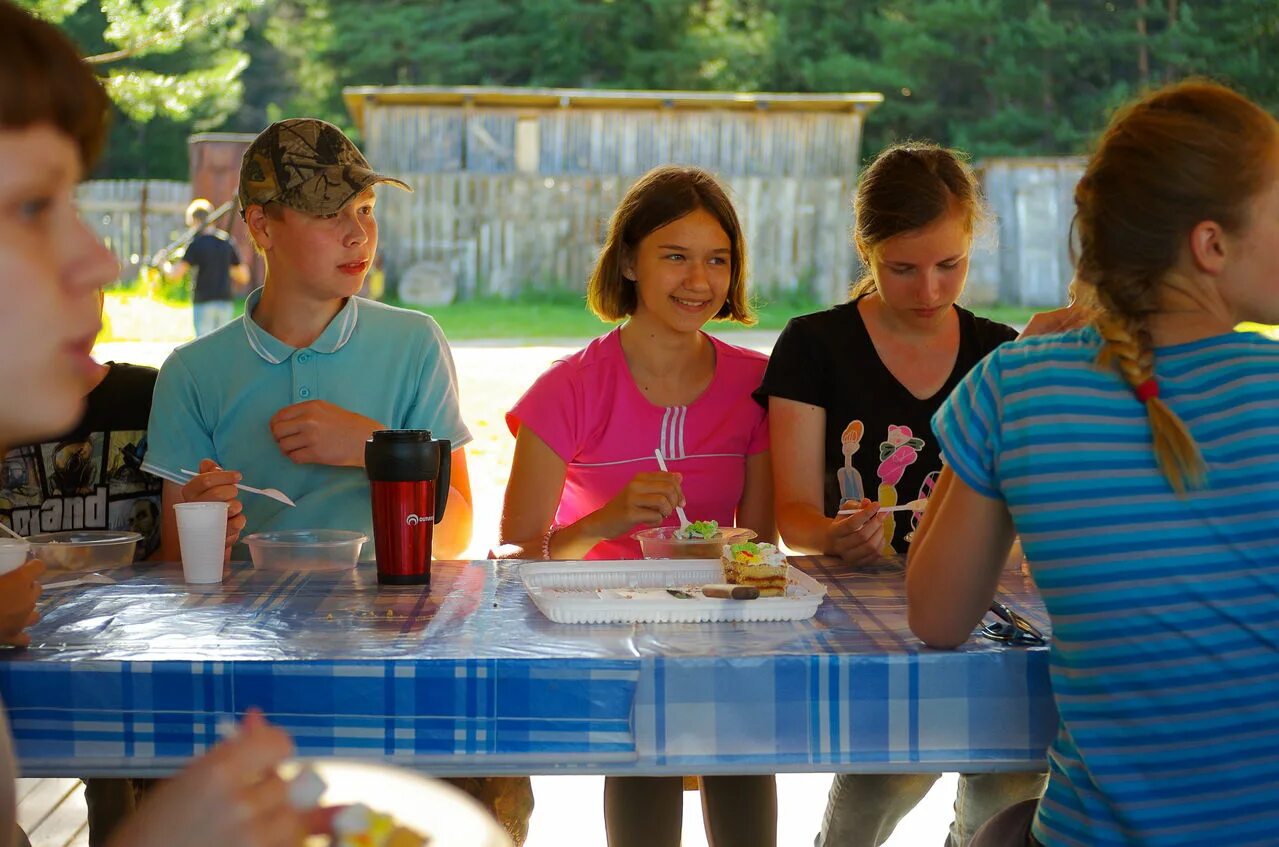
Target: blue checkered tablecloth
(469,678)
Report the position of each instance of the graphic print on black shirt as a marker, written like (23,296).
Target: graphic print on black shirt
(91,477)
(878,441)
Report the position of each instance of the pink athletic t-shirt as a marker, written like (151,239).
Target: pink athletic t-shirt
(589,410)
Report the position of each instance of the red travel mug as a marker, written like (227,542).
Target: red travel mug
(409,484)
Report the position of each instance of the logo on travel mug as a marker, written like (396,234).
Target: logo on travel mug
(414,520)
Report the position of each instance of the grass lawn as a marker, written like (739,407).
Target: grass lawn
(133,316)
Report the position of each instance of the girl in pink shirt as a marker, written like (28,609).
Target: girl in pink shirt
(590,413)
(584,477)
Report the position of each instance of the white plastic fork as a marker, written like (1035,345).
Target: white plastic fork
(912,506)
(679,510)
(273,493)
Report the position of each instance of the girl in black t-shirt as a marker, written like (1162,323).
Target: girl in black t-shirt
(850,393)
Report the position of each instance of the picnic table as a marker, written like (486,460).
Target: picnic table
(467,677)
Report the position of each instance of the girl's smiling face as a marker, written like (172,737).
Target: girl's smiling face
(681,271)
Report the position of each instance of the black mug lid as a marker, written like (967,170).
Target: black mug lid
(400,435)
(403,455)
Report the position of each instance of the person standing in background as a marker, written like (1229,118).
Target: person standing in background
(217,264)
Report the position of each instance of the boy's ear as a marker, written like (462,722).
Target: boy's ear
(258,222)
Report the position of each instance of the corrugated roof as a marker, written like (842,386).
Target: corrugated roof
(542,98)
(221,136)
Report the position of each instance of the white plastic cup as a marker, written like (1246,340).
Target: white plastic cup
(202,537)
(13,553)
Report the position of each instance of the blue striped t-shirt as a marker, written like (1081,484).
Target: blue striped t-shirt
(1165,611)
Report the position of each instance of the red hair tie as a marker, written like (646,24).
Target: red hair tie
(1148,390)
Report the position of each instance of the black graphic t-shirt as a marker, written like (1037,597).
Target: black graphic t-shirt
(91,477)
(879,442)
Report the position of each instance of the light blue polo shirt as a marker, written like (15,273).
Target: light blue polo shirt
(215,397)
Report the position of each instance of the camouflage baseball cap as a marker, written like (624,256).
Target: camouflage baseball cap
(306,164)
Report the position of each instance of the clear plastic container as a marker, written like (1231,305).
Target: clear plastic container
(84,550)
(661,543)
(12,553)
(306,549)
(636,592)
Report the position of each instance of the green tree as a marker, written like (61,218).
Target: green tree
(170,66)
(994,77)
(555,43)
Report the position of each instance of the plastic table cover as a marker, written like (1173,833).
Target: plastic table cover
(467,677)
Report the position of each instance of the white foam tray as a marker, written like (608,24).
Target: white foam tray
(614,592)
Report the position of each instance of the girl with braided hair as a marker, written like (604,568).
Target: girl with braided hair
(1137,460)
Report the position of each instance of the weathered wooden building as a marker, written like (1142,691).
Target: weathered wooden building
(514,187)
(1025,259)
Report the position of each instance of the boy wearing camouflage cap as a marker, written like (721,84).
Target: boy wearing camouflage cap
(289,393)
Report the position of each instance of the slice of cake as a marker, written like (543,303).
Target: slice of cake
(760,565)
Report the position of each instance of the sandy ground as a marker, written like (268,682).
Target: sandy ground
(569,810)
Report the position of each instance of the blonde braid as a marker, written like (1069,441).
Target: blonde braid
(1128,347)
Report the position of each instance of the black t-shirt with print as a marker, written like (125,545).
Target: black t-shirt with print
(879,442)
(90,477)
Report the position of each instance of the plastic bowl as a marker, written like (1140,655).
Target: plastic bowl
(306,549)
(85,549)
(661,543)
(12,553)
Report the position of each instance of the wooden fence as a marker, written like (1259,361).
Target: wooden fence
(501,234)
(498,234)
(134,218)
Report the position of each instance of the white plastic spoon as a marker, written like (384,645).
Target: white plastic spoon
(679,510)
(11,532)
(273,493)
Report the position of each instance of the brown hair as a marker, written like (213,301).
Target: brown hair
(663,195)
(1187,153)
(46,81)
(907,187)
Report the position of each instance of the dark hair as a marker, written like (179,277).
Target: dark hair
(45,80)
(907,187)
(1184,154)
(663,195)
